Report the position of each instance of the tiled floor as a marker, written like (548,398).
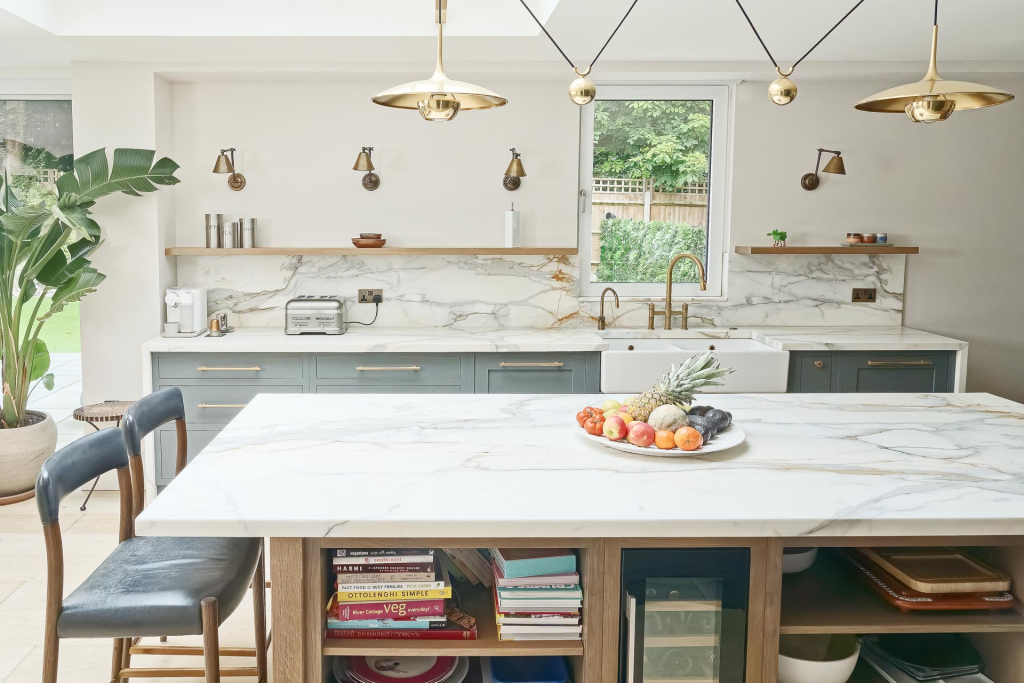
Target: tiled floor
(88,538)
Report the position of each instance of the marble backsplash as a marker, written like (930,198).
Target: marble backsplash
(486,292)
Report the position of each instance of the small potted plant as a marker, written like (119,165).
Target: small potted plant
(44,255)
(778,237)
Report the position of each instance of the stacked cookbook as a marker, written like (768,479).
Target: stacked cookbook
(537,594)
(396,593)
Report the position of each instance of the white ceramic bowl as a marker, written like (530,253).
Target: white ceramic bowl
(817,658)
(798,559)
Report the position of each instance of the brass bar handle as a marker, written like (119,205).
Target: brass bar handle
(363,368)
(531,365)
(221,405)
(203,368)
(882,363)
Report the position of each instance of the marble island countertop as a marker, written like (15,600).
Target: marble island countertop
(514,466)
(273,340)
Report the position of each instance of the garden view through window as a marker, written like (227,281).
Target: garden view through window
(649,194)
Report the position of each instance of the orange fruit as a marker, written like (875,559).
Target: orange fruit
(665,439)
(626,417)
(688,438)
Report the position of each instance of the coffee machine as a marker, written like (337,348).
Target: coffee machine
(186,310)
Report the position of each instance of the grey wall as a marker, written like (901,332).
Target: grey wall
(955,189)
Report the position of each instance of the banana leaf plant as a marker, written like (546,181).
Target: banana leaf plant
(44,255)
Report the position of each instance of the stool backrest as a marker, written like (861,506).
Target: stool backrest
(71,468)
(141,420)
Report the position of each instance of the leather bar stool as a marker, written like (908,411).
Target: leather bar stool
(142,419)
(146,586)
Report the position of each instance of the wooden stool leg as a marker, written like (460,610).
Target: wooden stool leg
(211,640)
(115,661)
(259,608)
(126,656)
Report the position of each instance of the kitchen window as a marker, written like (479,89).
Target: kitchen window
(654,174)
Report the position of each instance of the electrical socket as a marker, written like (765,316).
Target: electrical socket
(366,295)
(863,295)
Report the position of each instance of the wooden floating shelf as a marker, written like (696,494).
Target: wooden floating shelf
(830,598)
(864,249)
(383,251)
(480,604)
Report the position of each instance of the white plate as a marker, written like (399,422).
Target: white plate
(732,436)
(459,673)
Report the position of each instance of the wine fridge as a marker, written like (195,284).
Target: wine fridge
(684,615)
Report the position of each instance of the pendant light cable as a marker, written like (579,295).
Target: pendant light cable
(601,51)
(797,62)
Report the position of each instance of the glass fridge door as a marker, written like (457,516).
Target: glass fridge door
(684,616)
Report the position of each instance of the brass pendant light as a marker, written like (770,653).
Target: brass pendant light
(782,90)
(439,98)
(582,91)
(933,99)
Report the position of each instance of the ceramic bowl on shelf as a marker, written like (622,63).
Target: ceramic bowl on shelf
(796,560)
(817,657)
(368,243)
(370,235)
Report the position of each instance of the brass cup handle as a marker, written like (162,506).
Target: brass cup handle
(203,368)
(363,368)
(531,365)
(883,363)
(819,364)
(221,405)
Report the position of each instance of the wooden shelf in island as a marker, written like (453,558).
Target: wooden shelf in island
(830,598)
(383,251)
(862,249)
(478,603)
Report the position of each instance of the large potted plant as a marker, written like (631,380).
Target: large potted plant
(44,256)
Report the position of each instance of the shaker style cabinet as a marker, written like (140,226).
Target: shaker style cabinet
(871,372)
(534,373)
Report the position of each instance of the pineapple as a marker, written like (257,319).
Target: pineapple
(677,386)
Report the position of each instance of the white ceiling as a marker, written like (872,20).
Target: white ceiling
(50,34)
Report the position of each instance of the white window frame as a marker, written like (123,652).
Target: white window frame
(720,176)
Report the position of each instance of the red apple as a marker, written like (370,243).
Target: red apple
(615,429)
(641,434)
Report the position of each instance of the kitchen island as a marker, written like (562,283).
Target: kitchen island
(316,472)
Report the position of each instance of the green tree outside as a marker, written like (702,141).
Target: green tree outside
(635,251)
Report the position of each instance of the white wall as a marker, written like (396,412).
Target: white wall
(114,105)
(440,183)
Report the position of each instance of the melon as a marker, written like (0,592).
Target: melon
(668,418)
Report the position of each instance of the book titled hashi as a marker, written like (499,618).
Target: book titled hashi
(390,610)
(420,567)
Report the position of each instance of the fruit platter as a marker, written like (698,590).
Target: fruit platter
(661,421)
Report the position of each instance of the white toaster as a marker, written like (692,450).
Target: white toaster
(313,314)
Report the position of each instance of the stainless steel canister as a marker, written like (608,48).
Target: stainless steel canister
(229,236)
(214,225)
(248,226)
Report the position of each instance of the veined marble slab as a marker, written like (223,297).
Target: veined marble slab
(513,466)
(484,292)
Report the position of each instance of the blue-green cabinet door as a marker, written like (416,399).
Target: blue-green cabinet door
(531,373)
(897,372)
(813,373)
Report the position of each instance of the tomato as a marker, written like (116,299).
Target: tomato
(581,417)
(593,426)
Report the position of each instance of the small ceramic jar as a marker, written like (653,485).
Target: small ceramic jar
(868,238)
(853,238)
(882,237)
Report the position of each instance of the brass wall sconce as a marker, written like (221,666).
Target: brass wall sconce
(809,181)
(371,181)
(514,172)
(236,181)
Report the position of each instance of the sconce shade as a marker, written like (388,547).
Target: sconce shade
(363,162)
(515,168)
(835,165)
(223,164)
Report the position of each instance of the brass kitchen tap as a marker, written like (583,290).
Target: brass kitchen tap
(601,322)
(668,312)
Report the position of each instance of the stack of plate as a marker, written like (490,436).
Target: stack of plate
(404,669)
(935,657)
